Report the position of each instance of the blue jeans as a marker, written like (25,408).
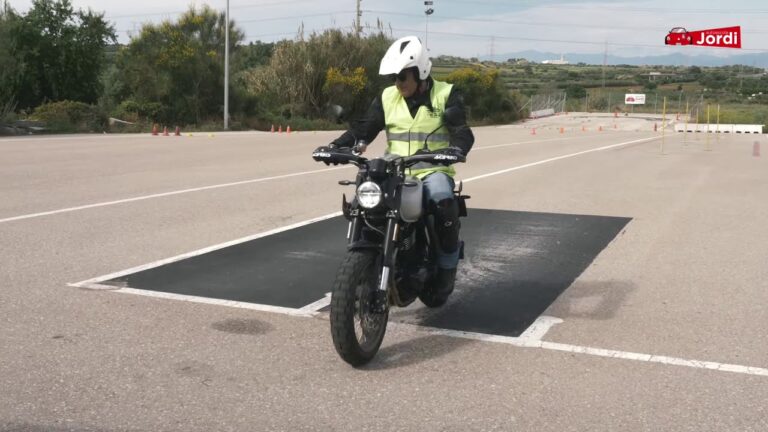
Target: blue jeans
(437,187)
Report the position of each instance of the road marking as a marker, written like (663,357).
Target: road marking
(598,352)
(474,149)
(218,302)
(165,194)
(310,311)
(313,308)
(94,282)
(540,327)
(608,147)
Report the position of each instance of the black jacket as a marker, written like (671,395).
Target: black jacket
(369,127)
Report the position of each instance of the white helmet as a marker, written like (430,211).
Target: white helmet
(405,53)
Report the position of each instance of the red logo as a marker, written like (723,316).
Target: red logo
(725,37)
(678,36)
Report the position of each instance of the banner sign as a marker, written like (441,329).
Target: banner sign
(724,37)
(634,99)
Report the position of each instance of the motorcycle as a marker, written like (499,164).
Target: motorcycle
(391,250)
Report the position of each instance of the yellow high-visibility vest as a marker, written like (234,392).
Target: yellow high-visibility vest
(406,134)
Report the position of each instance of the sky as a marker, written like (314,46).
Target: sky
(475,28)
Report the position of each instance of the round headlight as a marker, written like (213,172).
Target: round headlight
(369,194)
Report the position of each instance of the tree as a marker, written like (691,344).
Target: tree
(179,66)
(59,53)
(294,81)
(9,66)
(485,94)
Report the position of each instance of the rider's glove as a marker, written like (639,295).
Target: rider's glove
(453,154)
(325,154)
(455,151)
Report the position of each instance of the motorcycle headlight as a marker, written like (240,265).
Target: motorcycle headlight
(369,194)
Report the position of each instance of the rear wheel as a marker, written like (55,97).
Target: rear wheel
(356,330)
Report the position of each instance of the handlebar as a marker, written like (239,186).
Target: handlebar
(435,158)
(335,156)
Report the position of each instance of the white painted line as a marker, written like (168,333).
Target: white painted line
(218,302)
(540,327)
(316,306)
(474,149)
(576,349)
(504,171)
(165,194)
(90,282)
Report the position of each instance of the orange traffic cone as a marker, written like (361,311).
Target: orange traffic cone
(272,129)
(280,129)
(288,129)
(154,129)
(583,129)
(178,132)
(562,130)
(533,131)
(165,130)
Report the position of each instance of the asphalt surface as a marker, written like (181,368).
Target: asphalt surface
(685,278)
(515,265)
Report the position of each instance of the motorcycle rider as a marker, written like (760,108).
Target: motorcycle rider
(409,110)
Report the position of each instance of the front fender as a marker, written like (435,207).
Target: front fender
(364,244)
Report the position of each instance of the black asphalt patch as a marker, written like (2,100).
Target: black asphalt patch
(516,265)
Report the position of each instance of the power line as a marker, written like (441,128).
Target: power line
(294,33)
(296,17)
(533,23)
(244,6)
(279,18)
(621,8)
(571,41)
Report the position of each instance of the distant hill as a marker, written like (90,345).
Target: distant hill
(757,59)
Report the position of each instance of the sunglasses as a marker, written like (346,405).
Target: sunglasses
(402,76)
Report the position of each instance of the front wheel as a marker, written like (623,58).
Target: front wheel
(356,330)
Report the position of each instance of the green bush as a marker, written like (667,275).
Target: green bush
(485,95)
(69,116)
(133,111)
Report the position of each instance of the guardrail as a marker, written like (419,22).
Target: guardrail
(721,128)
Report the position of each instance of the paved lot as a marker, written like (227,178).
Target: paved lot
(684,280)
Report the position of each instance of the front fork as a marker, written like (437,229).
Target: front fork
(390,237)
(380,298)
(380,302)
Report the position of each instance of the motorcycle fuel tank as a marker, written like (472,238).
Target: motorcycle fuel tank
(411,199)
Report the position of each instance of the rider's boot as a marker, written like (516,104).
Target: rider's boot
(445,279)
(447,225)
